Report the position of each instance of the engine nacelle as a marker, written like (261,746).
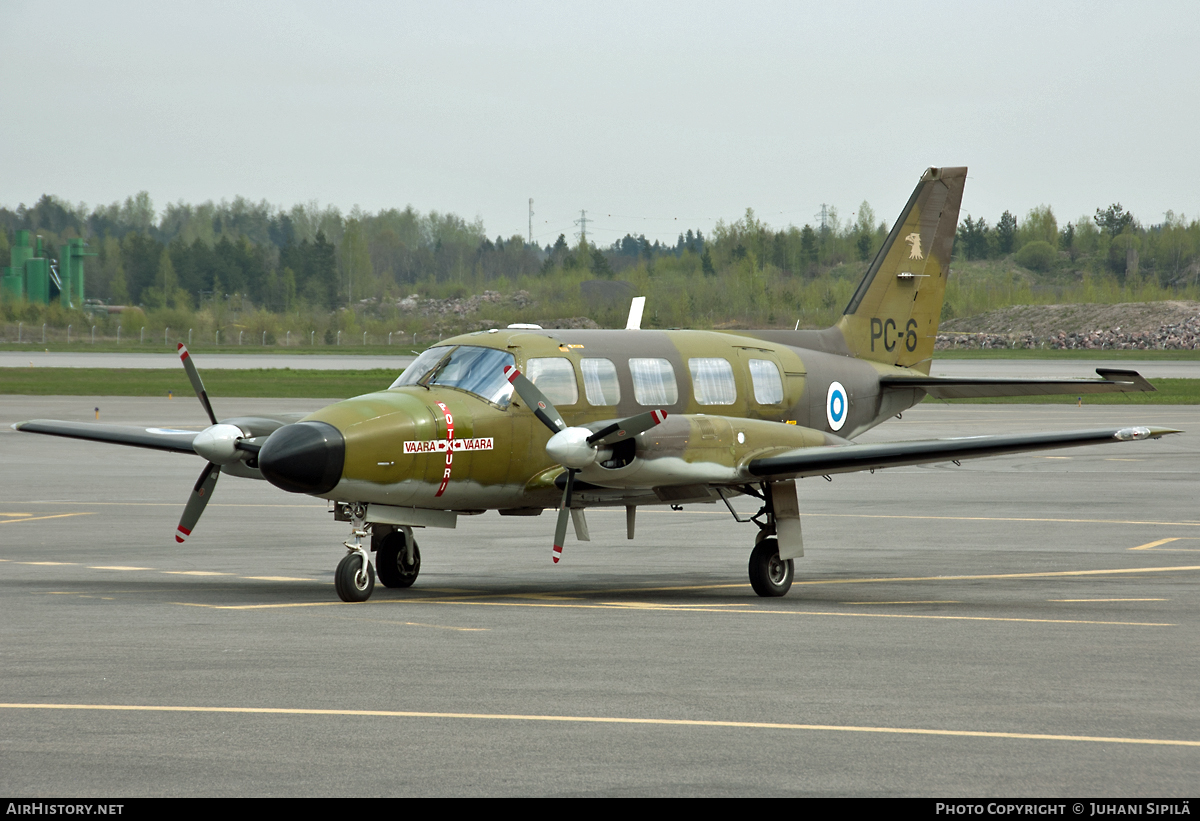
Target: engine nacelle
(698,449)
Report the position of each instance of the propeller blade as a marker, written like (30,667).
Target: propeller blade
(627,427)
(197,384)
(542,407)
(197,501)
(564,513)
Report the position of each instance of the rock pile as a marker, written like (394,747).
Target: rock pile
(951,341)
(461,307)
(1175,336)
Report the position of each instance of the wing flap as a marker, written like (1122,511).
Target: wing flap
(1112,380)
(850,458)
(169,439)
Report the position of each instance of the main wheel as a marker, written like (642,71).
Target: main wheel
(389,558)
(352,581)
(770,576)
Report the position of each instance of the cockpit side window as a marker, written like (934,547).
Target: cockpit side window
(476,370)
(421,366)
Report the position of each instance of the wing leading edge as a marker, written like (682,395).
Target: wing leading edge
(850,458)
(168,439)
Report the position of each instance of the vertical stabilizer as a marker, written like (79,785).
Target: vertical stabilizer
(893,316)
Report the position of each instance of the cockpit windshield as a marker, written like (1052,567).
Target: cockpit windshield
(476,370)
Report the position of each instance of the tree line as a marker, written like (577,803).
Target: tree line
(238,257)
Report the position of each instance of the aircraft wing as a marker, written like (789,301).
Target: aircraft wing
(169,439)
(821,461)
(1111,380)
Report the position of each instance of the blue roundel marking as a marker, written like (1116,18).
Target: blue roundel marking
(836,406)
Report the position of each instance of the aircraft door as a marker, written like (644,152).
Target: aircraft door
(771,391)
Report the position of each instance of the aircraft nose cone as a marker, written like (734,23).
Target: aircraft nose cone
(306,457)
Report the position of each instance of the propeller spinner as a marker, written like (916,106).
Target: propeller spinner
(572,447)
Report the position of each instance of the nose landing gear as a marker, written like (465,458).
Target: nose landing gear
(354,578)
(396,559)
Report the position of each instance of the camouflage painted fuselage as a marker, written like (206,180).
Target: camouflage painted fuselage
(400,444)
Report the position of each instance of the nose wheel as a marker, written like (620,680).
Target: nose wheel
(354,578)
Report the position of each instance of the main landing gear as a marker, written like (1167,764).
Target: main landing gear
(770,576)
(397,557)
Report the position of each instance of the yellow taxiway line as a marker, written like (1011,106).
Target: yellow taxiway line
(618,720)
(25,517)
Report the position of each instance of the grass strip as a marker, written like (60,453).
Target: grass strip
(262,382)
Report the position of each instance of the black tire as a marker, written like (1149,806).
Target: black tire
(349,583)
(770,576)
(389,559)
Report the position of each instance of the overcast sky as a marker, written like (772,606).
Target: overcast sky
(654,117)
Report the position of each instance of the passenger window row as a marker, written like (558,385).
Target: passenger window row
(654,383)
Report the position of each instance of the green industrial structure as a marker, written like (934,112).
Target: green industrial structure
(35,278)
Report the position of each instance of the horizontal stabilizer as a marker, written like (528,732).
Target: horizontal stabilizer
(170,439)
(821,461)
(941,387)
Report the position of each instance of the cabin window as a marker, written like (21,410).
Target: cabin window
(768,386)
(475,370)
(554,377)
(712,381)
(653,382)
(600,381)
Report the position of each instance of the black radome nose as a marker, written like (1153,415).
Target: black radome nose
(306,457)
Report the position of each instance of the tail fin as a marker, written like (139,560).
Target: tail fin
(893,316)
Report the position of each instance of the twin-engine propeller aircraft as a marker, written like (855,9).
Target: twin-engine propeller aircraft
(524,419)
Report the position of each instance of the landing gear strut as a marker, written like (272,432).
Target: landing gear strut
(770,576)
(354,578)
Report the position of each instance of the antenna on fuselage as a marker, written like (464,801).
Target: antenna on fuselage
(634,323)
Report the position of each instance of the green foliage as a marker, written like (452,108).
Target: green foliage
(1006,233)
(1114,219)
(1040,224)
(1038,255)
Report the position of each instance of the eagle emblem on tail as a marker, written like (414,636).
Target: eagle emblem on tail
(914,240)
